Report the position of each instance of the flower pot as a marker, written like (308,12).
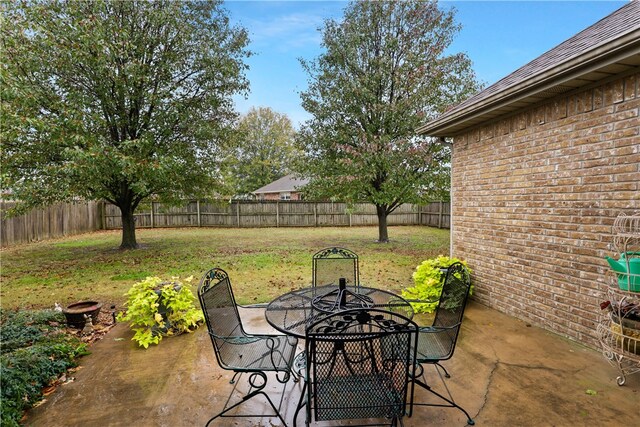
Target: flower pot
(163,310)
(75,313)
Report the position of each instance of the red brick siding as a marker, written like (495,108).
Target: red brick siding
(535,196)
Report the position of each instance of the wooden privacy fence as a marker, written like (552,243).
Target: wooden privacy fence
(67,219)
(64,219)
(277,214)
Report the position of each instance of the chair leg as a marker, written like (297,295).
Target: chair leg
(258,390)
(450,402)
(301,403)
(233,378)
(446,374)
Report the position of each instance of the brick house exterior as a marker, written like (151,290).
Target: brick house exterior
(277,196)
(543,161)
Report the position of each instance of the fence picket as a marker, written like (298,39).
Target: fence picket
(75,218)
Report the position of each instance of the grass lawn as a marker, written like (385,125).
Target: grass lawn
(262,262)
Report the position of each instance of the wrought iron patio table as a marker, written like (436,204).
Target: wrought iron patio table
(292,312)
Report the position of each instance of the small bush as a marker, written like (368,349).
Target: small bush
(35,352)
(428,280)
(156,308)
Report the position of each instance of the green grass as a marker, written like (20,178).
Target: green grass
(262,262)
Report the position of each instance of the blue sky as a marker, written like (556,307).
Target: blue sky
(498,36)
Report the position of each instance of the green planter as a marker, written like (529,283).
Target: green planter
(627,268)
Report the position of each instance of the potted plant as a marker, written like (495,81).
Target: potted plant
(625,323)
(158,308)
(428,280)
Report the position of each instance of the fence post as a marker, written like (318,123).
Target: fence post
(153,222)
(440,215)
(315,214)
(198,209)
(420,207)
(103,214)
(277,213)
(238,212)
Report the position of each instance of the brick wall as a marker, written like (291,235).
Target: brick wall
(535,196)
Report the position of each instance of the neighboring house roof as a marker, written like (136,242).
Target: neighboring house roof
(284,184)
(609,47)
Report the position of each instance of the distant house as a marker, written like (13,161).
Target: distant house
(286,188)
(543,161)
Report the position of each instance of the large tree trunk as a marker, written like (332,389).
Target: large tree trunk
(128,228)
(383,235)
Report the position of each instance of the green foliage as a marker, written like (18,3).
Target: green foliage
(428,280)
(35,352)
(384,72)
(156,308)
(262,152)
(22,328)
(116,100)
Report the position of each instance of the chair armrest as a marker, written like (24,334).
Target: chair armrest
(237,340)
(259,305)
(247,339)
(436,329)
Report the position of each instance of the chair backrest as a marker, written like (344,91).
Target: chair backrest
(359,365)
(453,300)
(331,264)
(221,314)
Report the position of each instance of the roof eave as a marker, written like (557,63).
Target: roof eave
(604,55)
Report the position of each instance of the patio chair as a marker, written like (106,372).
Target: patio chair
(331,264)
(239,351)
(359,367)
(438,341)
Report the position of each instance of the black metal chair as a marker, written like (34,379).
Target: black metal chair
(239,351)
(438,341)
(359,367)
(331,264)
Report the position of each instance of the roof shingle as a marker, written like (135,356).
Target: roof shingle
(596,40)
(286,183)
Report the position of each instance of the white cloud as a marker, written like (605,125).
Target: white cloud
(286,32)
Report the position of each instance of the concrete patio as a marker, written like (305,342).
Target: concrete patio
(504,373)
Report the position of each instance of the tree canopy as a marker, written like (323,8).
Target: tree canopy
(262,152)
(116,100)
(385,70)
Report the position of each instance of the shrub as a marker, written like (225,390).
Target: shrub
(157,308)
(428,280)
(35,352)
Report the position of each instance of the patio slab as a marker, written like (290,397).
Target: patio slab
(503,372)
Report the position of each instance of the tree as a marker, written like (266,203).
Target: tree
(383,72)
(262,153)
(116,100)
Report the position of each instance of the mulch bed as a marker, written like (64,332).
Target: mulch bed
(103,324)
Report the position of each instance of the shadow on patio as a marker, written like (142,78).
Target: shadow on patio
(503,373)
